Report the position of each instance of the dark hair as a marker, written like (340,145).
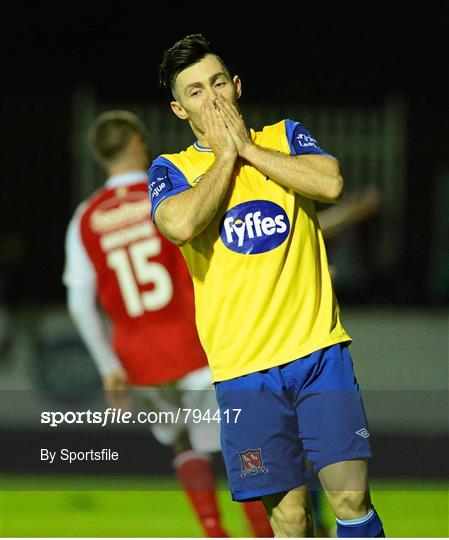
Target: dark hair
(183,54)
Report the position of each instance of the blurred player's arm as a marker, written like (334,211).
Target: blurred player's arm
(183,216)
(351,210)
(81,304)
(79,278)
(313,176)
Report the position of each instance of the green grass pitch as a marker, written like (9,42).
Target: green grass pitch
(124,507)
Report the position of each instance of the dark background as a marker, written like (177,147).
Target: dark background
(297,52)
(305,52)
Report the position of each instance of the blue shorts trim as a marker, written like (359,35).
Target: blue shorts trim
(254,495)
(307,410)
(365,455)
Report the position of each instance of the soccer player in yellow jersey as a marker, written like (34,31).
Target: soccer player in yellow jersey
(240,204)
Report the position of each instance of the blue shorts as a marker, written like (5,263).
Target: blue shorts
(307,410)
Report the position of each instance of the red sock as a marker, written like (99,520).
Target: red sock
(196,475)
(258,519)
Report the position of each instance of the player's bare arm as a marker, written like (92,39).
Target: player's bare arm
(356,208)
(185,215)
(312,176)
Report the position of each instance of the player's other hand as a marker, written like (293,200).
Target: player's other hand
(115,385)
(369,201)
(235,124)
(218,136)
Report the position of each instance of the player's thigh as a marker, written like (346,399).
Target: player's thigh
(346,487)
(345,476)
(287,501)
(160,406)
(290,511)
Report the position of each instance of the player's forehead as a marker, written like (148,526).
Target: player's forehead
(201,72)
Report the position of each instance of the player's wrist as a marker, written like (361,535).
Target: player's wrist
(227,154)
(246,150)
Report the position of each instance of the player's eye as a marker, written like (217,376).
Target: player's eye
(195,93)
(218,84)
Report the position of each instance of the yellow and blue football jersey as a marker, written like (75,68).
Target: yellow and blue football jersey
(263,291)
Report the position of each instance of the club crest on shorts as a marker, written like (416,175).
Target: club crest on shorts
(252,462)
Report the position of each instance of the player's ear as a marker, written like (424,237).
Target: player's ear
(237,85)
(179,110)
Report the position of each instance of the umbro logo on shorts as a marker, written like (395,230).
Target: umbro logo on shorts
(363,433)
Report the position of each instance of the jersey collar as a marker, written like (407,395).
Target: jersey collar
(126,179)
(201,148)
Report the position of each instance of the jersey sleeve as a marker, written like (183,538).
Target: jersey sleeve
(79,271)
(301,141)
(164,181)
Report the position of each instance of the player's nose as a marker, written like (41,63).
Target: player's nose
(211,94)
